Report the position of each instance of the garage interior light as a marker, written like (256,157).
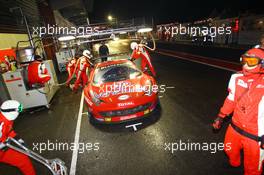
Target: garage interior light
(144,30)
(83,36)
(66,38)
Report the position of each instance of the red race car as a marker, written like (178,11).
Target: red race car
(118,92)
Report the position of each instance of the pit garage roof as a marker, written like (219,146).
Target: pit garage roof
(76,11)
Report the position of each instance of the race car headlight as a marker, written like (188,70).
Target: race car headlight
(95,98)
(148,88)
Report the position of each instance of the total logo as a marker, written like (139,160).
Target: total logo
(125,104)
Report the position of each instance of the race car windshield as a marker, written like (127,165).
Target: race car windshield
(115,73)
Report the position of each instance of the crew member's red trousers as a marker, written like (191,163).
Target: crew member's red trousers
(19,160)
(251,148)
(70,74)
(81,78)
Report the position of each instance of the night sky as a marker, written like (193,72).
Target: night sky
(170,10)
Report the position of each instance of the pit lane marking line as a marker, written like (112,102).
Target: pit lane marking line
(77,138)
(211,65)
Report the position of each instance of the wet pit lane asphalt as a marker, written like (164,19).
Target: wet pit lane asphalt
(185,115)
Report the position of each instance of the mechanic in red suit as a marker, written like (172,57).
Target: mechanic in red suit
(9,112)
(246,102)
(37,73)
(140,52)
(82,70)
(70,69)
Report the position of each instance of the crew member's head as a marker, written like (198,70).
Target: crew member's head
(134,45)
(87,53)
(11,109)
(252,60)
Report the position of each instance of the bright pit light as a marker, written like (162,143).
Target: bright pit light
(83,36)
(110,18)
(66,38)
(115,38)
(144,30)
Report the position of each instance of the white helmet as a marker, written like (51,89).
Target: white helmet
(134,45)
(87,53)
(11,109)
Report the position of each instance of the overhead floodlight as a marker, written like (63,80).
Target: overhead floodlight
(123,32)
(66,38)
(110,18)
(116,38)
(83,36)
(112,36)
(144,30)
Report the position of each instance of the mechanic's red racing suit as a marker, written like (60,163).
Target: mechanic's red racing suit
(10,156)
(81,73)
(37,73)
(140,52)
(70,69)
(246,102)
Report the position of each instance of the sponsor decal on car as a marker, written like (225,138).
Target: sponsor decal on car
(112,65)
(128,117)
(125,104)
(123,97)
(88,101)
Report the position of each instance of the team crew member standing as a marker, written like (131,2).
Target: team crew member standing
(246,102)
(82,70)
(103,51)
(9,112)
(70,69)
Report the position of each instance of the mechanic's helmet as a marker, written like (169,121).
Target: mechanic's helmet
(257,46)
(11,109)
(134,45)
(87,53)
(253,57)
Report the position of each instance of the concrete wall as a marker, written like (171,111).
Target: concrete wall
(8,40)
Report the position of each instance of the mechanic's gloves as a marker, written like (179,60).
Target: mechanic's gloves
(21,141)
(218,122)
(262,142)
(2,147)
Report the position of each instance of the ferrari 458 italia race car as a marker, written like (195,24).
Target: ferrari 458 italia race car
(118,91)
